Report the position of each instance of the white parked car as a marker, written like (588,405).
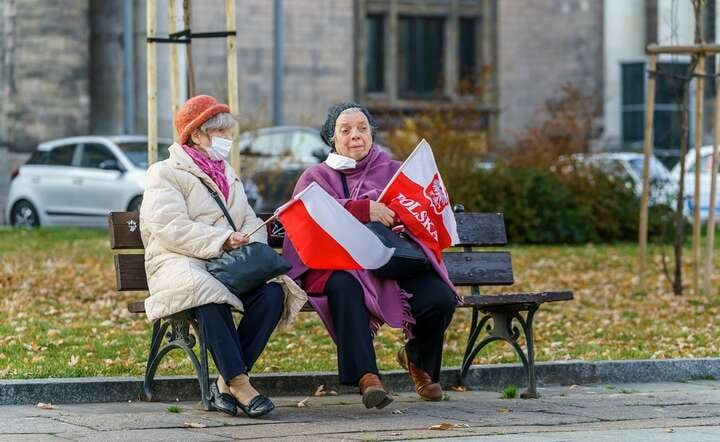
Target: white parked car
(77,181)
(663,188)
(705,177)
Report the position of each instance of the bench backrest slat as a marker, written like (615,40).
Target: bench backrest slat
(479,268)
(481,229)
(125,230)
(474,229)
(465,268)
(130,271)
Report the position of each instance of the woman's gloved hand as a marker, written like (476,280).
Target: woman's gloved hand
(235,240)
(380,212)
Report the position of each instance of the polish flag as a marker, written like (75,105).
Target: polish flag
(326,236)
(419,199)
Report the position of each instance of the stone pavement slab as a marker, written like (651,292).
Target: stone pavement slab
(680,411)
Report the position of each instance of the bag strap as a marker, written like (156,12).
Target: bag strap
(343,179)
(219,202)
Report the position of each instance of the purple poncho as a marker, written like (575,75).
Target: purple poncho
(385,300)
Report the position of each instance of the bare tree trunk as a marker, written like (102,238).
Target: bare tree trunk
(190,70)
(679,217)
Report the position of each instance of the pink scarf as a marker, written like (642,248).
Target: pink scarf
(214,169)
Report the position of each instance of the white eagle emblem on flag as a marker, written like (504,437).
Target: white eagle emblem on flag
(436,194)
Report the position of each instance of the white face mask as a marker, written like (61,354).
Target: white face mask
(219,149)
(340,162)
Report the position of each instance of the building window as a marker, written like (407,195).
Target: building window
(375,61)
(417,50)
(421,46)
(668,91)
(467,50)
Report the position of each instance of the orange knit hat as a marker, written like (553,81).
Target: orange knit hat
(194,113)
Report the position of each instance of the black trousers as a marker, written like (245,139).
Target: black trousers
(433,305)
(236,350)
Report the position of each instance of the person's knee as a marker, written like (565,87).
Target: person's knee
(343,288)
(447,302)
(342,282)
(210,312)
(444,301)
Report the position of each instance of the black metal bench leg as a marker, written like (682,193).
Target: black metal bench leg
(179,338)
(531,391)
(204,374)
(470,350)
(160,326)
(503,330)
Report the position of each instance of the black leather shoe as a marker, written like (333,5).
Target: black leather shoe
(258,406)
(223,401)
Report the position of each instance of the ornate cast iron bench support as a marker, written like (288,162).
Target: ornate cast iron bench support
(178,336)
(497,323)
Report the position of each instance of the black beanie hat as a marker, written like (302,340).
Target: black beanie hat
(328,129)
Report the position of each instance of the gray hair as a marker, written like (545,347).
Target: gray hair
(222,120)
(351,110)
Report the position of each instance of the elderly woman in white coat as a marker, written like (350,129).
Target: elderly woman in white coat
(182,226)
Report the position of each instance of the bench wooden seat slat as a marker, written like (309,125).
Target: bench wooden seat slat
(465,268)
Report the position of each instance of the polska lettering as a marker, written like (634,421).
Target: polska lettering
(420,215)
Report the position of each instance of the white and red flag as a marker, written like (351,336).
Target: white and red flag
(419,199)
(328,237)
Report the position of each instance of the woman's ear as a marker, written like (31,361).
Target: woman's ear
(195,137)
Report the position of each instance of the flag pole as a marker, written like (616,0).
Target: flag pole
(397,172)
(261,225)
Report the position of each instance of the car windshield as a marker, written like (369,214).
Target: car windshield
(657,170)
(302,145)
(137,152)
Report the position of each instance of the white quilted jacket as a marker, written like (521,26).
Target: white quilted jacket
(182,226)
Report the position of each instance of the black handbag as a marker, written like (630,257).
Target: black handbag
(248,267)
(407,261)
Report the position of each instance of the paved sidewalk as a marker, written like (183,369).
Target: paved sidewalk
(639,412)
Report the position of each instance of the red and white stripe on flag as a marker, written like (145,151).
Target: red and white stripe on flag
(328,237)
(419,199)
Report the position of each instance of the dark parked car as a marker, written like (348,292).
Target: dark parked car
(273,158)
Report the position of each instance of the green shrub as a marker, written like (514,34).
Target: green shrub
(575,205)
(509,392)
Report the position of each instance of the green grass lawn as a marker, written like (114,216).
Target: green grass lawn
(61,316)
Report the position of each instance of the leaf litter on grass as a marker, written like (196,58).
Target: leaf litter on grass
(64,318)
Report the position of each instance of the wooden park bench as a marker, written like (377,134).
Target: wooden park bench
(496,316)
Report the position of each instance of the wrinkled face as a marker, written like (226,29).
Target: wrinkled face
(353,135)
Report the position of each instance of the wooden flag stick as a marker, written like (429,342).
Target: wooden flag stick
(261,225)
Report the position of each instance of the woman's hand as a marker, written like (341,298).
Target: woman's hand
(380,212)
(235,240)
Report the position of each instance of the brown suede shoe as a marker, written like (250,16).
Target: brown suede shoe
(424,386)
(374,394)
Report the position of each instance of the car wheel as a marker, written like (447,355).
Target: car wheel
(24,214)
(134,205)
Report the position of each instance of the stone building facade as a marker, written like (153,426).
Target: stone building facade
(61,70)
(44,70)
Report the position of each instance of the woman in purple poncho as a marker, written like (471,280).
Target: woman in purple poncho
(353,304)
